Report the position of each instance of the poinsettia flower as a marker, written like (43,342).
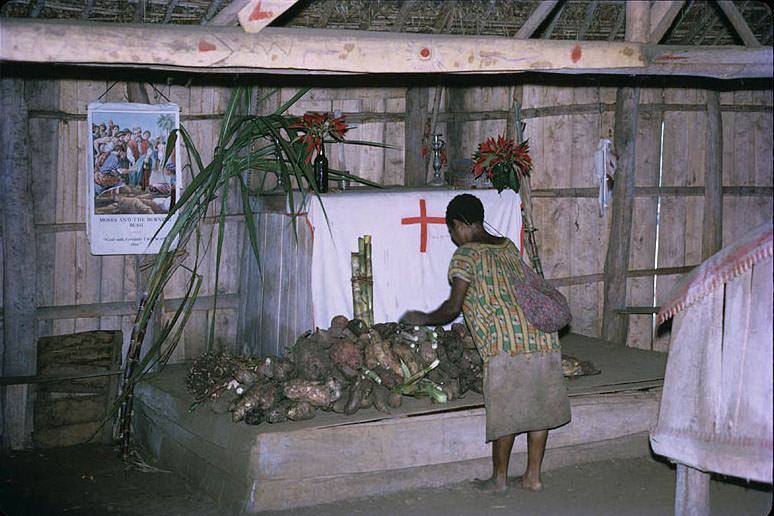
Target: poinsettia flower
(316,127)
(497,158)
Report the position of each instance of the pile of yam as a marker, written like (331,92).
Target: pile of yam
(342,369)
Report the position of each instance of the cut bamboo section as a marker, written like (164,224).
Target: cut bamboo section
(362,282)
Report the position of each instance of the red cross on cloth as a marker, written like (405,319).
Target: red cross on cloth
(424,220)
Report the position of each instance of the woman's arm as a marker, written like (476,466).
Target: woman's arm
(446,313)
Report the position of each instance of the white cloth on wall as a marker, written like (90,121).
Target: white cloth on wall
(406,275)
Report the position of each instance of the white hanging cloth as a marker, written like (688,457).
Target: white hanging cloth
(605,164)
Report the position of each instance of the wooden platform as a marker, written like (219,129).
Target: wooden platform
(332,457)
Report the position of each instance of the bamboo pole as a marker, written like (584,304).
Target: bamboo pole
(357,297)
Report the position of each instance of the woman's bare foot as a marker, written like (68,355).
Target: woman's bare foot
(524,482)
(491,485)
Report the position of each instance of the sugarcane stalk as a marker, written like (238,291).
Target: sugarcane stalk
(357,294)
(132,358)
(369,278)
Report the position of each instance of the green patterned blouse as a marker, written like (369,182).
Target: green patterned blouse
(490,307)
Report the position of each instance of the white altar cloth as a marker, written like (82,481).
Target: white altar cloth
(411,247)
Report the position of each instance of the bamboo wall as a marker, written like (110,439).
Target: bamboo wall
(264,310)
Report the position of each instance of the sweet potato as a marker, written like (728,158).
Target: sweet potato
(378,353)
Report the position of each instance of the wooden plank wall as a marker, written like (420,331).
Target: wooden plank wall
(78,291)
(265,312)
(572,236)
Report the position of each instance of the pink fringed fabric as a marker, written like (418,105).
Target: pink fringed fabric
(719,269)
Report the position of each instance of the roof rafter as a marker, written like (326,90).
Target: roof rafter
(738,22)
(662,15)
(537,17)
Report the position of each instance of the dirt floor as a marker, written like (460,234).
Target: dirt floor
(92,480)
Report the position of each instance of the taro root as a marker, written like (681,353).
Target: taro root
(427,351)
(345,353)
(409,357)
(384,399)
(279,413)
(378,353)
(340,405)
(245,376)
(452,344)
(300,411)
(386,330)
(357,326)
(318,394)
(261,395)
(459,329)
(360,389)
(254,416)
(277,368)
(312,360)
(452,388)
(389,379)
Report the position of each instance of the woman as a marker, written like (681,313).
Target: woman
(524,388)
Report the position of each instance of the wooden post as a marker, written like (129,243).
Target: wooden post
(692,496)
(615,326)
(19,337)
(712,229)
(416,117)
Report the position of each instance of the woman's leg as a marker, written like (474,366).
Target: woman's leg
(536,448)
(501,456)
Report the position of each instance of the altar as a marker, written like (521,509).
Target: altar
(305,274)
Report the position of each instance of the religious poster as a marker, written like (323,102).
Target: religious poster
(131,187)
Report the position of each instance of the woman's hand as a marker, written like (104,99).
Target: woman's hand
(413,318)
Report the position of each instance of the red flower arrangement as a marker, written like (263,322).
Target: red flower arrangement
(316,126)
(504,162)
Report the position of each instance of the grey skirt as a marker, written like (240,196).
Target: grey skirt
(523,393)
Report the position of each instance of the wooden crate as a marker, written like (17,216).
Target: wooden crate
(68,412)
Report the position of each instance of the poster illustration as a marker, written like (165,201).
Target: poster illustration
(130,187)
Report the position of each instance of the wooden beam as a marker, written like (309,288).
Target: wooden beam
(615,326)
(229,49)
(692,491)
(712,229)
(537,17)
(637,21)
(589,19)
(662,15)
(739,23)
(17,233)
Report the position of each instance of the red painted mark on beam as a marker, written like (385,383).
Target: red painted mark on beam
(576,53)
(424,53)
(258,14)
(205,46)
(670,57)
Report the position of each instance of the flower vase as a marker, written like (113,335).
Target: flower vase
(320,167)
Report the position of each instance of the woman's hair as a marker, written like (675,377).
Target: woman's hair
(466,208)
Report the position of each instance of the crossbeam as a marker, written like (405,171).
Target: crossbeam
(281,50)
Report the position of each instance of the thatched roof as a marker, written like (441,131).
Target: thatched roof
(697,22)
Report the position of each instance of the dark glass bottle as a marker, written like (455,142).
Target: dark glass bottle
(320,167)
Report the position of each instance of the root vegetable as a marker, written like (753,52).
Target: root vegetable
(357,327)
(384,399)
(279,412)
(254,416)
(345,353)
(312,360)
(378,353)
(277,368)
(339,321)
(318,394)
(408,356)
(261,395)
(300,411)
